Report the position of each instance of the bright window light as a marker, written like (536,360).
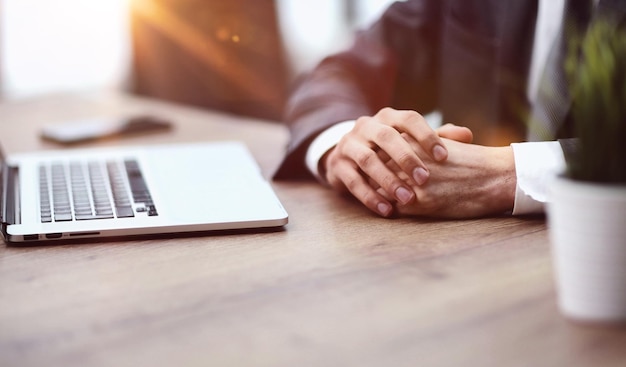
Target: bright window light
(59,45)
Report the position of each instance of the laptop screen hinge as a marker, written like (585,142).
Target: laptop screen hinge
(9,205)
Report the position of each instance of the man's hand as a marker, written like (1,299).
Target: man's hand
(474,181)
(360,158)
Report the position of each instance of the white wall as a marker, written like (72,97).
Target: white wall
(57,45)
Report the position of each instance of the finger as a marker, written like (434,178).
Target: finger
(454,132)
(415,125)
(352,180)
(401,153)
(401,174)
(373,167)
(376,133)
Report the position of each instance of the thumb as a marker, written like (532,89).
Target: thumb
(458,133)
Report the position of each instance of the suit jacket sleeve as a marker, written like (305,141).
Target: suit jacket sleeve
(397,53)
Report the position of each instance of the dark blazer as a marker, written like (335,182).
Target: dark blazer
(468,59)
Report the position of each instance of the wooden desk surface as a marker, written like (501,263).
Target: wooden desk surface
(337,287)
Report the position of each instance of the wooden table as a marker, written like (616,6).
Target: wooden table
(338,287)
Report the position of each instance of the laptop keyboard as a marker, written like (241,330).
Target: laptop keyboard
(93,190)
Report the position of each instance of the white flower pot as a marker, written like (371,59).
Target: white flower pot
(587,226)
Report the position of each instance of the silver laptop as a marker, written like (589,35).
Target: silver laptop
(111,192)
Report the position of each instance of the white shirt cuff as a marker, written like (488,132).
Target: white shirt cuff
(323,143)
(536,164)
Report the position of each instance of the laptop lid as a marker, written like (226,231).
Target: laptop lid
(192,187)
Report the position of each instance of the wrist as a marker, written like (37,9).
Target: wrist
(504,180)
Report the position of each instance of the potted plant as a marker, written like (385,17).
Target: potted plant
(587,208)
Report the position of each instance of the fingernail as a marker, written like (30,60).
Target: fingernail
(420,175)
(439,153)
(403,195)
(383,209)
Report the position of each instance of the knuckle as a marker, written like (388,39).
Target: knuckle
(361,122)
(389,182)
(339,149)
(388,114)
(385,134)
(365,158)
(409,114)
(416,119)
(352,183)
(405,159)
(386,111)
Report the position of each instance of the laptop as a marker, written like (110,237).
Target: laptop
(125,191)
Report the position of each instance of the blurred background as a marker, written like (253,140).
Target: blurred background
(238,56)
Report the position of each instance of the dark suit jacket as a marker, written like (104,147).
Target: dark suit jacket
(469,59)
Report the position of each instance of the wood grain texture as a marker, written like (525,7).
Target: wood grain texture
(337,287)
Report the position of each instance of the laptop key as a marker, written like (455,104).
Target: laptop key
(124,211)
(62,217)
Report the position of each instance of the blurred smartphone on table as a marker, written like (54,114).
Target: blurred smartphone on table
(80,131)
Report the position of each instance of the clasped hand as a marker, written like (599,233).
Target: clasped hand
(394,162)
